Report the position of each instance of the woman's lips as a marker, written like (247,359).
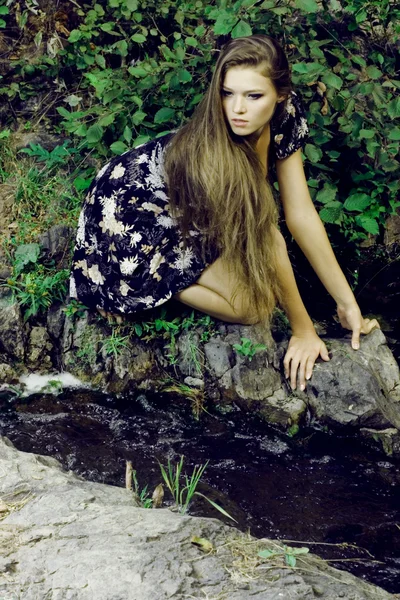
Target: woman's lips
(239,122)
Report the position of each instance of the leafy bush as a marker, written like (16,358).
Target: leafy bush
(134,70)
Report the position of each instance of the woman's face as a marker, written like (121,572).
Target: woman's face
(249,100)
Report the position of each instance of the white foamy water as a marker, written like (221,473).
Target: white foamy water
(34,383)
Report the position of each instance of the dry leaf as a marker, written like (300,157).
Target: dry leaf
(203,544)
(158,496)
(128,475)
(325,107)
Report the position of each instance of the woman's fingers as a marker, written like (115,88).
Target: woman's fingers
(111,317)
(300,359)
(369,325)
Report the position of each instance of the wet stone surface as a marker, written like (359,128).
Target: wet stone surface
(317,488)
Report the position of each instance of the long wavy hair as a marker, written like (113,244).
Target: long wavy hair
(217,184)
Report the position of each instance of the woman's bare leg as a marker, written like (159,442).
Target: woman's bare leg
(213,294)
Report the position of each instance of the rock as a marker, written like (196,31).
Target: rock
(12,333)
(39,349)
(219,356)
(64,538)
(357,388)
(23,139)
(387,439)
(7,374)
(392,230)
(57,240)
(55,321)
(194,382)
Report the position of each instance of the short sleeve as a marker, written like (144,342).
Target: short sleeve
(290,132)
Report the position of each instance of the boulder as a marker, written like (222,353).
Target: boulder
(66,539)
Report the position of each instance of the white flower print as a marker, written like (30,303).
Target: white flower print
(184,259)
(290,108)
(80,236)
(155,178)
(153,207)
(166,222)
(95,275)
(124,288)
(161,195)
(72,287)
(102,171)
(129,265)
(162,300)
(109,222)
(156,261)
(82,264)
(143,158)
(147,300)
(135,238)
(117,171)
(302,128)
(278,138)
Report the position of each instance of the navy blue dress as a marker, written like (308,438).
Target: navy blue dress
(129,253)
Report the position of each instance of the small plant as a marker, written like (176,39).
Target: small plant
(288,553)
(37,290)
(195,395)
(184,494)
(75,309)
(248,348)
(115,343)
(58,156)
(142,495)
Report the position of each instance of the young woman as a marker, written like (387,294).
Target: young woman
(191,215)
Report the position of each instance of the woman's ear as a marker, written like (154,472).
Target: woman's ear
(281,98)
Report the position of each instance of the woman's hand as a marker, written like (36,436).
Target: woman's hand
(351,318)
(302,352)
(112,318)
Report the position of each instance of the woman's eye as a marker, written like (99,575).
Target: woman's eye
(255,96)
(226,93)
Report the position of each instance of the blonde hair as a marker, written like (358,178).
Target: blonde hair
(217,184)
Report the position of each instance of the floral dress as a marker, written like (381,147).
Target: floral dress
(129,253)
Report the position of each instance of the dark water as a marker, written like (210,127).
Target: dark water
(319,489)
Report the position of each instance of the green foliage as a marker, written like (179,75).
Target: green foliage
(288,553)
(141,494)
(115,343)
(183,494)
(135,70)
(248,348)
(36,291)
(75,309)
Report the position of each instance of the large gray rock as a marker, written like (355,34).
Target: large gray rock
(66,539)
(12,333)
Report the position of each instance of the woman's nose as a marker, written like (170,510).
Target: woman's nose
(238,105)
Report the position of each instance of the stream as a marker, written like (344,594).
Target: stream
(317,488)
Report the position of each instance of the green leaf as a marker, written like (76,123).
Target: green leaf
(107,120)
(131,5)
(267,553)
(309,6)
(366,134)
(313,153)
(164,114)
(369,224)
(74,36)
(331,213)
(140,140)
(138,117)
(127,134)
(358,202)
(191,41)
(100,60)
(394,108)
(332,80)
(224,23)
(290,560)
(118,147)
(327,194)
(242,29)
(25,254)
(94,134)
(4,10)
(394,134)
(139,38)
(138,71)
(217,506)
(184,76)
(373,72)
